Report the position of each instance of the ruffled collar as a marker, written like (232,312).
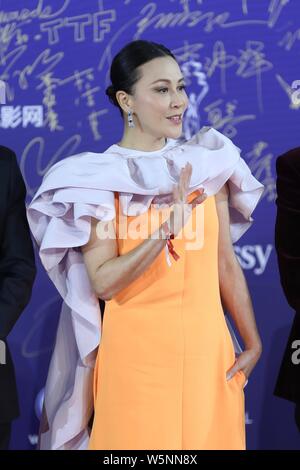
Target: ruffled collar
(133,153)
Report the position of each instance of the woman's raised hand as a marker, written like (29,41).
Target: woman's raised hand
(182,210)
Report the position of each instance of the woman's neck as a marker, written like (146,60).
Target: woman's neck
(143,143)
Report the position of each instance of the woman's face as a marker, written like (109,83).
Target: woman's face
(160,94)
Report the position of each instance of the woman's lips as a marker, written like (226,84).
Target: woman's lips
(175,120)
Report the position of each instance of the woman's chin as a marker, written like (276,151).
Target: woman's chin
(174,133)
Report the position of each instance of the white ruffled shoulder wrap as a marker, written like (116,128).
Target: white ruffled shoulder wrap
(82,186)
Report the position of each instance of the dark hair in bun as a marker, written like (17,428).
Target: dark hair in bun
(124,71)
(111,93)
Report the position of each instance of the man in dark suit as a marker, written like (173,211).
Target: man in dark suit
(287,244)
(17,274)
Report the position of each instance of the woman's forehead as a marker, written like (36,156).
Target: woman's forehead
(155,70)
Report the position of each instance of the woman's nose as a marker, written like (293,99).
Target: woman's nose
(177,100)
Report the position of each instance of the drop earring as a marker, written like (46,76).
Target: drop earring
(130,120)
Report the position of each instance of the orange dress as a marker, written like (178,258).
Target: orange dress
(160,376)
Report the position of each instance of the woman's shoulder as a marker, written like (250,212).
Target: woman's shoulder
(75,159)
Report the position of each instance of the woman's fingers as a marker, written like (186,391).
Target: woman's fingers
(201,196)
(181,183)
(180,190)
(175,192)
(198,200)
(184,181)
(188,176)
(231,372)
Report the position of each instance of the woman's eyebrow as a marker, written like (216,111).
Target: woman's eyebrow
(166,80)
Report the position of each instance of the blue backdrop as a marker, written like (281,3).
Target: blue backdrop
(241,61)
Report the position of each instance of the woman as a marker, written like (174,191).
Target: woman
(166,375)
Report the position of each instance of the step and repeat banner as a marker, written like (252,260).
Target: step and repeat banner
(241,60)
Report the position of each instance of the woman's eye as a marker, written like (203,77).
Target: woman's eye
(182,87)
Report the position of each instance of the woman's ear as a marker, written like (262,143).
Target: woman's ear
(123,100)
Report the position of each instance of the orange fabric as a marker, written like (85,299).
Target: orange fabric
(160,378)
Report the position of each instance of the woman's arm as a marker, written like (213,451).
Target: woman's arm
(109,273)
(234,291)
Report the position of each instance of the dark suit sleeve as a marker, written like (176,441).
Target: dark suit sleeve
(17,264)
(287,229)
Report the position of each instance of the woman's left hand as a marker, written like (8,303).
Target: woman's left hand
(246,361)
